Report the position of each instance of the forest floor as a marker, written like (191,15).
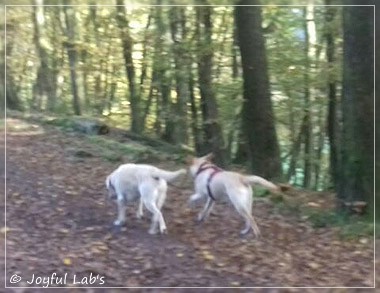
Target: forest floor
(59,221)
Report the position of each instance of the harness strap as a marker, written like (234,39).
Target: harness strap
(216,170)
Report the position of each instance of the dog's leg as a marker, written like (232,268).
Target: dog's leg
(206,210)
(250,224)
(121,207)
(194,198)
(140,212)
(243,205)
(162,189)
(157,218)
(161,194)
(151,193)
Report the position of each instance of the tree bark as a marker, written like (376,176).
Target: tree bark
(45,87)
(198,142)
(211,127)
(356,170)
(181,62)
(332,123)
(72,54)
(12,97)
(127,43)
(257,115)
(309,27)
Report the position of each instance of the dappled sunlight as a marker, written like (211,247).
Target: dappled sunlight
(17,127)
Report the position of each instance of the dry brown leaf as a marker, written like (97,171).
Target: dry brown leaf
(67,261)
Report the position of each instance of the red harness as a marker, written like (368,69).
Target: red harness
(215,169)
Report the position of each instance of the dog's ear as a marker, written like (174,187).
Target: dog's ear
(209,157)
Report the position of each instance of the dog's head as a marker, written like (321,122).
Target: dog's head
(194,163)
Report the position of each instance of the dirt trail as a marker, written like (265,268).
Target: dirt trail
(60,222)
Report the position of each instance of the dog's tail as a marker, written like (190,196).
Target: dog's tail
(169,175)
(108,182)
(261,181)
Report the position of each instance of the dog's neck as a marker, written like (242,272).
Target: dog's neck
(205,166)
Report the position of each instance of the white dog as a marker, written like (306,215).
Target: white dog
(133,182)
(215,184)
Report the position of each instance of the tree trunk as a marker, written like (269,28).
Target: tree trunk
(45,87)
(198,142)
(294,153)
(310,39)
(12,99)
(356,170)
(332,123)
(211,127)
(69,13)
(127,43)
(181,62)
(318,152)
(258,117)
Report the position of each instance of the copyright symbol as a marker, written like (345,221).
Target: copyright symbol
(15,279)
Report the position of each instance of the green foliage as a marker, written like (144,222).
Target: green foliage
(324,219)
(103,84)
(348,226)
(65,123)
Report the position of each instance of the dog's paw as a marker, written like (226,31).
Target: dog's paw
(139,216)
(198,220)
(164,231)
(118,223)
(152,231)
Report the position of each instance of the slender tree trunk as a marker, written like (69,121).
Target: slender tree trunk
(258,117)
(213,133)
(356,168)
(235,52)
(45,88)
(296,147)
(320,143)
(332,125)
(198,142)
(309,54)
(70,21)
(127,43)
(181,61)
(144,64)
(13,100)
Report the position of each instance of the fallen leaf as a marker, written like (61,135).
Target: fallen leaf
(67,261)
(363,240)
(5,230)
(314,265)
(208,256)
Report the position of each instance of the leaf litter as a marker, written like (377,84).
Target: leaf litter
(59,220)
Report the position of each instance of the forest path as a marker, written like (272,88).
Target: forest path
(59,221)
